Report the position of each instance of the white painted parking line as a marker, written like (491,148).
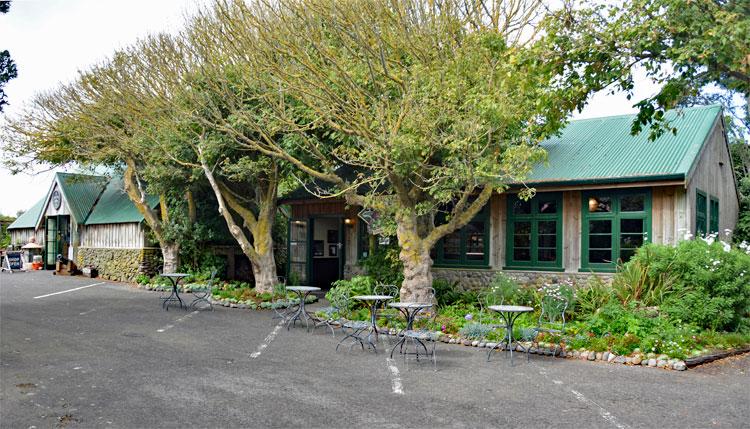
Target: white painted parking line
(87,312)
(396,385)
(606,415)
(267,340)
(181,319)
(69,290)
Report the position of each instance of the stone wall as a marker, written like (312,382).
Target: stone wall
(473,279)
(120,264)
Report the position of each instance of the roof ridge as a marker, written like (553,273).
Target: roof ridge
(632,115)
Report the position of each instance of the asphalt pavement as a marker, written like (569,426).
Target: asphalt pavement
(78,352)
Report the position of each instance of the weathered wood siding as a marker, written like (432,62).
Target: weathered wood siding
(114,236)
(498,204)
(303,211)
(668,221)
(571,234)
(19,237)
(712,174)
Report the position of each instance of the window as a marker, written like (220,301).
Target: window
(701,224)
(713,215)
(468,246)
(534,232)
(615,224)
(363,241)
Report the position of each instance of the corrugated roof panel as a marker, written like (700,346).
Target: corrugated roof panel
(81,192)
(114,206)
(602,149)
(29,218)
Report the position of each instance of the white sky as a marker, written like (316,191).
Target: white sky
(50,40)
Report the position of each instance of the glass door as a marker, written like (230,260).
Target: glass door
(51,242)
(298,252)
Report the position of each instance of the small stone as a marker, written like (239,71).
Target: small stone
(232,305)
(652,362)
(628,360)
(644,362)
(679,366)
(576,354)
(605,356)
(660,363)
(599,355)
(637,359)
(243,306)
(584,355)
(651,355)
(491,345)
(474,343)
(466,342)
(611,357)
(482,344)
(591,356)
(452,341)
(519,348)
(620,359)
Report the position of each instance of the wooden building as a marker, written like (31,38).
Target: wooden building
(601,194)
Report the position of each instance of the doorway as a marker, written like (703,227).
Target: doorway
(57,239)
(316,251)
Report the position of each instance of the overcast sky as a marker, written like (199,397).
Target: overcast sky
(51,39)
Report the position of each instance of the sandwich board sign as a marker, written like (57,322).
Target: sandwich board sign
(12,261)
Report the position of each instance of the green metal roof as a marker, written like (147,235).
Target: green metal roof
(602,150)
(30,217)
(114,205)
(80,192)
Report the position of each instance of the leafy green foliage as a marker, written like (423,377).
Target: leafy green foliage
(475,331)
(358,285)
(384,265)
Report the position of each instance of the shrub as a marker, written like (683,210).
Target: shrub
(384,265)
(592,296)
(358,285)
(504,288)
(710,282)
(634,283)
(475,331)
(446,292)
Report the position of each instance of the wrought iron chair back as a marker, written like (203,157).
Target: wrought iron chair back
(204,292)
(280,300)
(552,315)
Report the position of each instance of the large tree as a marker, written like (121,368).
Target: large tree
(8,69)
(434,105)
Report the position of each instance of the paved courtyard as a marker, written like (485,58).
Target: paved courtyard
(104,354)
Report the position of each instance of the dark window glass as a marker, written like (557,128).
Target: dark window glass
(547,207)
(631,226)
(601,241)
(633,203)
(600,226)
(600,256)
(547,240)
(522,228)
(626,254)
(631,240)
(547,255)
(520,254)
(547,227)
(522,207)
(600,204)
(452,246)
(475,241)
(521,240)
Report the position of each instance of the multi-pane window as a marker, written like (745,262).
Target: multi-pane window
(466,246)
(615,225)
(534,232)
(713,215)
(701,218)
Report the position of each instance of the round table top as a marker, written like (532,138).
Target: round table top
(372,297)
(409,304)
(177,275)
(510,308)
(302,288)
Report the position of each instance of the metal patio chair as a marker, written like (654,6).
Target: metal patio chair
(356,327)
(331,312)
(419,337)
(280,302)
(202,294)
(551,321)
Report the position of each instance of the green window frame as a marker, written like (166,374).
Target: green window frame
(713,219)
(701,213)
(363,241)
(534,232)
(614,224)
(466,247)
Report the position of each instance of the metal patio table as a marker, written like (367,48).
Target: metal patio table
(410,311)
(174,278)
(301,313)
(509,313)
(374,300)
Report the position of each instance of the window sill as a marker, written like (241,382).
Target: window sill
(530,268)
(462,267)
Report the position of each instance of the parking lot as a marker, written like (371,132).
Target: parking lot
(78,352)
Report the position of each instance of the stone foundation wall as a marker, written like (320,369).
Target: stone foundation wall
(474,279)
(120,264)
